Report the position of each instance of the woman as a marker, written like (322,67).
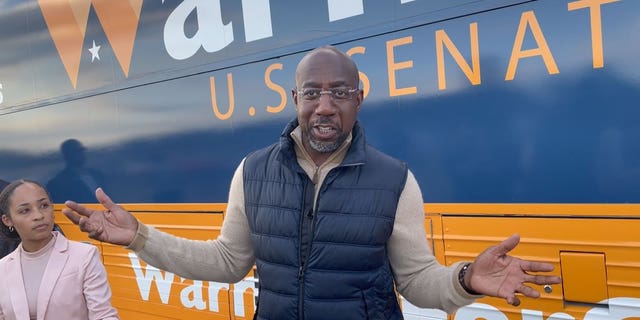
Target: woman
(47,276)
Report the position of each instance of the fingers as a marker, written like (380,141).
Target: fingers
(524,290)
(74,208)
(507,245)
(104,199)
(95,234)
(536,266)
(541,280)
(532,266)
(513,300)
(92,230)
(528,291)
(71,215)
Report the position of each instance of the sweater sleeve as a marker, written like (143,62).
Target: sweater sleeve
(226,259)
(419,277)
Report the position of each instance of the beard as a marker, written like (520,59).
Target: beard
(324,146)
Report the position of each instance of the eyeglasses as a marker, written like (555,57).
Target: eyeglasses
(312,94)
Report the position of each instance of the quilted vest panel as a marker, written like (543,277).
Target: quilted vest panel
(331,262)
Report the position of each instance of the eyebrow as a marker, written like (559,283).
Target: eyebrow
(340,83)
(27,203)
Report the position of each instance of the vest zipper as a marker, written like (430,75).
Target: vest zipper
(303,264)
(306,238)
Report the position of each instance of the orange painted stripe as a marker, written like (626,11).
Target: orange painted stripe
(535,209)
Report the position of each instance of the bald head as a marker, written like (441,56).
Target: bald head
(326,120)
(331,53)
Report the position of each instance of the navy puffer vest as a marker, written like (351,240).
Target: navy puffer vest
(330,263)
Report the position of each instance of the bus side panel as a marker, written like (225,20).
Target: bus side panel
(141,291)
(554,240)
(433,226)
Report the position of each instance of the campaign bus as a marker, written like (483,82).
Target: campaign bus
(514,116)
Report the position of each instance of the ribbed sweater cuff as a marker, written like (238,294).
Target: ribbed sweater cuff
(142,234)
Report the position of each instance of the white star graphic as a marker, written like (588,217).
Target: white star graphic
(94,51)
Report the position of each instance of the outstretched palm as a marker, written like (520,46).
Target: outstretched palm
(497,274)
(113,225)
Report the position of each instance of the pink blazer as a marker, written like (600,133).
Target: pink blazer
(74,285)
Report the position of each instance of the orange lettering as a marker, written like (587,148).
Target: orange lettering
(214,103)
(275,87)
(366,86)
(67,24)
(443,40)
(392,66)
(528,18)
(596,26)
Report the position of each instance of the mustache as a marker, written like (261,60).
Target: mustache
(323,120)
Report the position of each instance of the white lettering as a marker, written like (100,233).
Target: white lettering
(619,309)
(560,316)
(238,290)
(412,312)
(531,315)
(163,281)
(342,9)
(1,96)
(212,34)
(257,19)
(214,289)
(479,310)
(191,296)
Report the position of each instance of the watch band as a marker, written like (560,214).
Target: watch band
(461,274)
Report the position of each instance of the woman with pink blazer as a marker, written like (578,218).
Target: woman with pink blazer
(47,276)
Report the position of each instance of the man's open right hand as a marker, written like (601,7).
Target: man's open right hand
(113,225)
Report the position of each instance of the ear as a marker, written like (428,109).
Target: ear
(6,220)
(359,99)
(294,96)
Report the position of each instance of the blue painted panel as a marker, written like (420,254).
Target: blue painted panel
(153,136)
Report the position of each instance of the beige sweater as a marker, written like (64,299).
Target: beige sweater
(419,277)
(33,265)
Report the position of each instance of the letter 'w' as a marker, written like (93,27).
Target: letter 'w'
(67,23)
(163,281)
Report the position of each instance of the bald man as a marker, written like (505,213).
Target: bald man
(333,225)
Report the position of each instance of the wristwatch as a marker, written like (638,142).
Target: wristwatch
(461,274)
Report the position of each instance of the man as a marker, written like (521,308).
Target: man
(331,223)
(76,180)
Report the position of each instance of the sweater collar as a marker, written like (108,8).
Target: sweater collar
(355,153)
